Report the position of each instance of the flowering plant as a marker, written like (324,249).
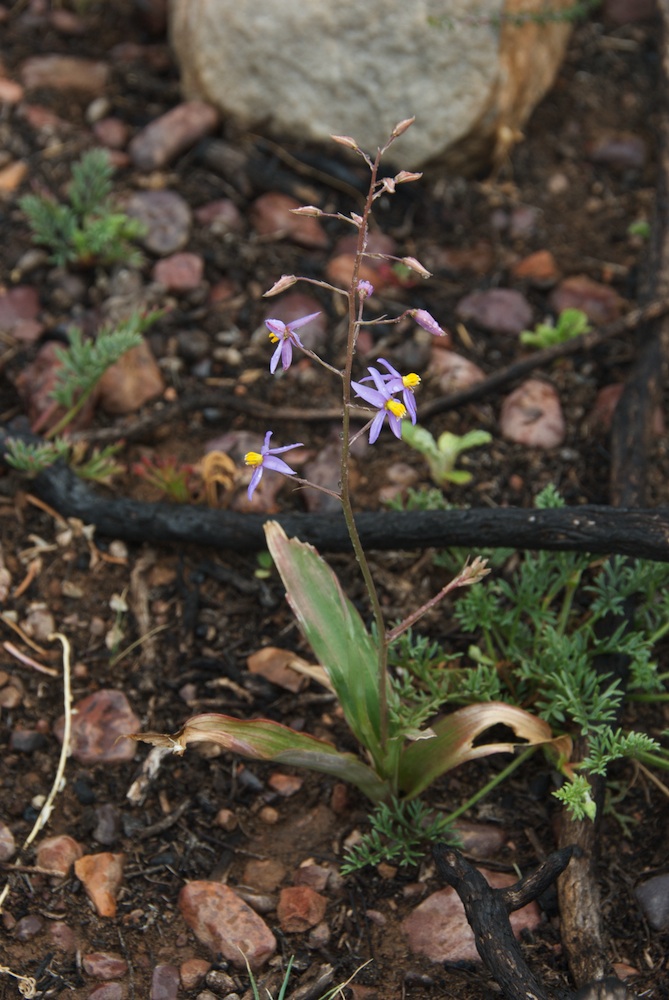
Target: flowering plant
(405,747)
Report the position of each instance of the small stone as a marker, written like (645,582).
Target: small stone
(480,840)
(41,119)
(532,415)
(269,815)
(67,22)
(181,272)
(478,259)
(557,184)
(599,302)
(102,876)
(539,269)
(271,215)
(264,874)
(499,310)
(28,927)
(108,824)
(110,991)
(160,143)
(7,842)
(300,908)
(319,936)
(226,819)
(340,798)
(167,218)
(104,965)
(27,741)
(165,983)
(315,876)
(285,784)
(111,132)
(11,696)
(21,302)
(221,921)
(222,215)
(130,383)
(13,175)
(98,720)
(62,937)
(275,665)
(98,109)
(64,73)
(324,470)
(193,972)
(438,928)
(653,898)
(628,11)
(11,92)
(193,345)
(621,151)
(523,221)
(453,371)
(221,982)
(39,623)
(58,854)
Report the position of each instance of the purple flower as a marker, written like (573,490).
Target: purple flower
(427,321)
(387,405)
(264,459)
(401,383)
(284,336)
(365,289)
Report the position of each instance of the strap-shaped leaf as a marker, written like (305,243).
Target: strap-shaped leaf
(455,734)
(261,739)
(334,630)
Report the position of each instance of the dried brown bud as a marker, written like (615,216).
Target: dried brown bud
(405,176)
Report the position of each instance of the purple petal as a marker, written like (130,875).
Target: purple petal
(276,327)
(372,396)
(274,361)
(278,465)
(265,447)
(377,424)
(255,479)
(286,447)
(395,424)
(286,354)
(393,371)
(410,403)
(302,321)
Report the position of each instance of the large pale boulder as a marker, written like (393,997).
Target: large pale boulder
(305,69)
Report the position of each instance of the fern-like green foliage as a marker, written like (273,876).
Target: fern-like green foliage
(399,832)
(87,230)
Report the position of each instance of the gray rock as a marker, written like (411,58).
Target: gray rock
(653,898)
(306,71)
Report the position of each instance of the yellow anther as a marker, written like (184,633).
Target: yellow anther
(273,338)
(411,380)
(396,408)
(253,458)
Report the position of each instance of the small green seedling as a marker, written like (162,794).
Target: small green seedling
(640,228)
(176,480)
(442,454)
(86,230)
(31,459)
(571,323)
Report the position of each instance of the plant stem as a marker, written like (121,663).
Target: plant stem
(355,307)
(497,780)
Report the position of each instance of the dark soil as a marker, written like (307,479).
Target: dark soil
(213,609)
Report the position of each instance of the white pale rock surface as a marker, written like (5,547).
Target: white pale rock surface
(308,70)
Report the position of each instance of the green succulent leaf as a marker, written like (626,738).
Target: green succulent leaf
(335,631)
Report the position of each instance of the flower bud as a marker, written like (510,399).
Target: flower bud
(309,210)
(407,175)
(284,282)
(346,140)
(415,265)
(402,126)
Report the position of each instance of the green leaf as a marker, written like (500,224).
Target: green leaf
(335,631)
(261,739)
(422,763)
